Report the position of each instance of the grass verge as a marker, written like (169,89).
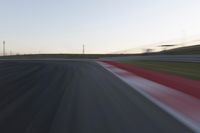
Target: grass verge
(186,69)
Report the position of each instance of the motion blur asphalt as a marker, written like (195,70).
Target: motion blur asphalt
(74,97)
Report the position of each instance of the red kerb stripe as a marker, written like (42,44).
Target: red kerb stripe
(185,85)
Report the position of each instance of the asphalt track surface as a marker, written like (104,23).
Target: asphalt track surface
(74,97)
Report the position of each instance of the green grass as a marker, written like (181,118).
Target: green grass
(186,69)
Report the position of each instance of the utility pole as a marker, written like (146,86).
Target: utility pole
(4,48)
(83,49)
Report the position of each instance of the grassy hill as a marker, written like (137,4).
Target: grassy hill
(183,50)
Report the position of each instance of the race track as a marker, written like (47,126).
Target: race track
(66,96)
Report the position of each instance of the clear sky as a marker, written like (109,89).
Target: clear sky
(62,26)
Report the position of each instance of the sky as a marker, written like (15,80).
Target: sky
(104,26)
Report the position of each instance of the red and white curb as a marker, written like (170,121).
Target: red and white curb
(183,107)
